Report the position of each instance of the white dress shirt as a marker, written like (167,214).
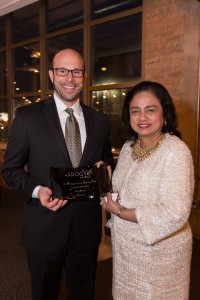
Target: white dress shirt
(78,115)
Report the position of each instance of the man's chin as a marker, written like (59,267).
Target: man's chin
(68,98)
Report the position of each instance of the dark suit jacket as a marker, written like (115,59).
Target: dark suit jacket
(36,140)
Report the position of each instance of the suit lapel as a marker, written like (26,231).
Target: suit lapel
(89,125)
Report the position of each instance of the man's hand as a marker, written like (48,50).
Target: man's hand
(99,163)
(45,196)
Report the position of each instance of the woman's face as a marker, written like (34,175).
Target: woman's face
(146,117)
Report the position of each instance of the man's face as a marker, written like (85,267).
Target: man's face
(67,87)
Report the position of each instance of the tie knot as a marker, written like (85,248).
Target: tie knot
(69,111)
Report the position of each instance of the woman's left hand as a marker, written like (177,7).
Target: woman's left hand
(114,207)
(109,204)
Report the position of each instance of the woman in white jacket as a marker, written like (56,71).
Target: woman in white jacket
(151,236)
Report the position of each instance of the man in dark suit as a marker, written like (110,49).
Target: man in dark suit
(58,234)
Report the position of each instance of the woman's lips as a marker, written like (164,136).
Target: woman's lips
(143,125)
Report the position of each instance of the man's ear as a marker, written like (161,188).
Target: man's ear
(85,76)
(51,75)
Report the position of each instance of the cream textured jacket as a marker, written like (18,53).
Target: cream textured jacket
(151,258)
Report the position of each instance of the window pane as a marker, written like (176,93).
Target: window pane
(2,31)
(22,101)
(3,119)
(25,23)
(111,102)
(102,8)
(72,40)
(116,51)
(26,68)
(63,14)
(3,74)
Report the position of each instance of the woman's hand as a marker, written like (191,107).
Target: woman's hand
(114,207)
(110,205)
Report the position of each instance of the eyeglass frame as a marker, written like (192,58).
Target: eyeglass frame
(83,72)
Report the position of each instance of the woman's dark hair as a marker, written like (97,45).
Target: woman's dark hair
(161,93)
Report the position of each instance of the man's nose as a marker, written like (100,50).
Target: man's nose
(69,76)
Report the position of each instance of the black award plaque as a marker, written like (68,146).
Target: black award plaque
(87,182)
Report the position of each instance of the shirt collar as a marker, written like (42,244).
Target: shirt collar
(61,106)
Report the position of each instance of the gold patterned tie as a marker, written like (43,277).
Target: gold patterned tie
(73,138)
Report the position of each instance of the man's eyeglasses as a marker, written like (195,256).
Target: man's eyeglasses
(64,72)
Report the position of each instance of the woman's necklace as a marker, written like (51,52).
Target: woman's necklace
(141,154)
